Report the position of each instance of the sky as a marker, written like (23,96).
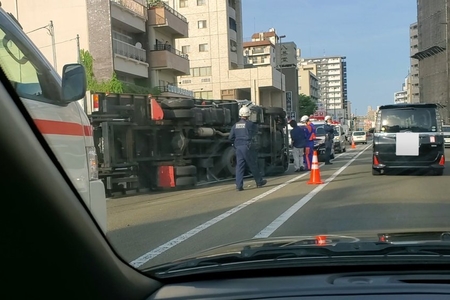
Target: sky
(373,35)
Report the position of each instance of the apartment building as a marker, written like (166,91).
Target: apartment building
(165,26)
(260,51)
(308,81)
(402,96)
(332,77)
(214,46)
(414,94)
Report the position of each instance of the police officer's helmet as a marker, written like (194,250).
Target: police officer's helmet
(304,119)
(327,118)
(244,112)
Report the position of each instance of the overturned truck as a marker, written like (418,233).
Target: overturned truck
(148,143)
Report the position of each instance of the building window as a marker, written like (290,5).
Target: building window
(185,49)
(232,24)
(201,24)
(258,50)
(183,3)
(233,46)
(203,95)
(201,72)
(201,2)
(186,81)
(232,4)
(203,48)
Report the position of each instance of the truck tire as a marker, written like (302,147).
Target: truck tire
(178,114)
(185,170)
(177,103)
(186,181)
(229,161)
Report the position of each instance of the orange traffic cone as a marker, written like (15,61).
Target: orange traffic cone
(315,172)
(353,144)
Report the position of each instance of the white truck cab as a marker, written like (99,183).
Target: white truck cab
(52,103)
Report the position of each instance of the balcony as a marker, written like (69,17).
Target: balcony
(130,59)
(161,15)
(165,57)
(129,15)
(172,90)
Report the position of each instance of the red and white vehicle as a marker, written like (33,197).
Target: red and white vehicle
(52,103)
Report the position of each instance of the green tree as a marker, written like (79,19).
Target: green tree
(113,85)
(306,105)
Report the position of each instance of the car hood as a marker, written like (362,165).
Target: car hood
(399,237)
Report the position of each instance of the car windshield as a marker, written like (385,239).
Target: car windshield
(179,138)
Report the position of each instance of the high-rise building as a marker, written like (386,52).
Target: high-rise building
(433,24)
(214,46)
(332,76)
(414,95)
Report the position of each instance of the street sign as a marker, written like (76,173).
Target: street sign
(288,101)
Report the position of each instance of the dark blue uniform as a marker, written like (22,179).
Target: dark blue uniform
(241,136)
(329,136)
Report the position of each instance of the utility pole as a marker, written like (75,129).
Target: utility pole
(51,31)
(52,34)
(281,70)
(78,49)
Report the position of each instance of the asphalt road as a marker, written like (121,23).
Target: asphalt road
(152,229)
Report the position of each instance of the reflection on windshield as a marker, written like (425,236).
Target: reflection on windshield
(359,133)
(404,120)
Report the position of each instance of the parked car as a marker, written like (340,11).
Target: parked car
(339,139)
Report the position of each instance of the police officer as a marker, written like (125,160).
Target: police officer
(241,135)
(310,137)
(329,136)
(298,136)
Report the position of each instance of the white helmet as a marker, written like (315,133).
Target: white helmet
(244,111)
(327,118)
(304,119)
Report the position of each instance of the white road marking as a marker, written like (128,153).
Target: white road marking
(164,247)
(266,232)
(174,242)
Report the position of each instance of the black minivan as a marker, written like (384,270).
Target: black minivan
(408,136)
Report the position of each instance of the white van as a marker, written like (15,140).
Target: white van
(52,103)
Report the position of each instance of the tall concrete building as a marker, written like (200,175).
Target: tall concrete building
(402,96)
(433,54)
(165,26)
(214,47)
(414,94)
(332,75)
